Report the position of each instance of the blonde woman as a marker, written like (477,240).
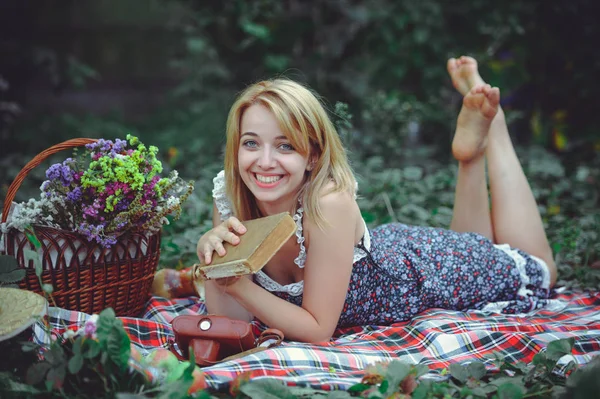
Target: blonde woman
(283,154)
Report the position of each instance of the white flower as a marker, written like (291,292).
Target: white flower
(172,202)
(69,334)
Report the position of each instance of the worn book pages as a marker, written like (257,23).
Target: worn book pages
(263,238)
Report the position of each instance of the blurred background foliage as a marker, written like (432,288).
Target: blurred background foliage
(168,71)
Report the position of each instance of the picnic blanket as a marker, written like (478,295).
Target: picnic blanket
(435,338)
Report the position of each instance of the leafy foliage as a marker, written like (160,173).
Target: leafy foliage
(10,272)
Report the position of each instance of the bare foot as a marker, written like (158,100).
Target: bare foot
(464,73)
(480,106)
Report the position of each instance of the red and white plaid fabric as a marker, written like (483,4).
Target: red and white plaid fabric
(435,338)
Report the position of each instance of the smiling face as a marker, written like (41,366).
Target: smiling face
(268,164)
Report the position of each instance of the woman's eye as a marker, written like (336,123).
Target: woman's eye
(286,147)
(250,144)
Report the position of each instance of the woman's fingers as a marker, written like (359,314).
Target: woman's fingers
(231,238)
(219,248)
(213,241)
(233,224)
(207,252)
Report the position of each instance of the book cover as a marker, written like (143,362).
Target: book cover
(263,238)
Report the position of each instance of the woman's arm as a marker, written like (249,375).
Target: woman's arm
(218,301)
(326,278)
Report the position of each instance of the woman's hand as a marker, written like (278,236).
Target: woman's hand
(228,231)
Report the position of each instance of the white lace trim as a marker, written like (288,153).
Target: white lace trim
(497,307)
(520,263)
(294,289)
(301,258)
(545,272)
(221,201)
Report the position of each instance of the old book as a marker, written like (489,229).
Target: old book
(263,238)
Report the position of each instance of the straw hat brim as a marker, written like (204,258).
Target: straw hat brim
(19,309)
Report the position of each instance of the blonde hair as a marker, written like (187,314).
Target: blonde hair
(305,123)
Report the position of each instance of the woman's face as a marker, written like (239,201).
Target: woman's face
(268,163)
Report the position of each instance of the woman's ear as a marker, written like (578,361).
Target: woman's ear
(311,163)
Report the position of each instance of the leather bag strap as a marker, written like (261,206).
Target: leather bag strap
(270,334)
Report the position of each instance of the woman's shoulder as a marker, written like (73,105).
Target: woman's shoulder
(330,197)
(334,205)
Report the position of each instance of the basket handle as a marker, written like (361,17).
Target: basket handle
(38,159)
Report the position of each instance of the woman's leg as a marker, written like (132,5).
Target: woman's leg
(471,205)
(515,216)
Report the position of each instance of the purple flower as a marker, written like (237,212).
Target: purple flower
(90,211)
(75,195)
(61,172)
(89,330)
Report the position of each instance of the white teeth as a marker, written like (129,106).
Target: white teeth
(267,179)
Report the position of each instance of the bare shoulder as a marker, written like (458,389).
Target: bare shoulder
(338,207)
(337,201)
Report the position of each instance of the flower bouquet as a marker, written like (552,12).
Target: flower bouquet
(93,237)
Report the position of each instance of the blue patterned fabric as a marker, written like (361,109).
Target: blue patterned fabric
(410,269)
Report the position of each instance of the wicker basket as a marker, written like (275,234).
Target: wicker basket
(85,276)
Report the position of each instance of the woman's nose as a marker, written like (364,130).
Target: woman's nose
(266,159)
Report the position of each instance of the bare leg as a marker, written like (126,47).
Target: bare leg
(471,206)
(515,216)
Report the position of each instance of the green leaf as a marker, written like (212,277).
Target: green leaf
(422,390)
(384,386)
(104,326)
(539,359)
(476,370)
(93,349)
(459,372)
(559,348)
(55,356)
(75,364)
(196,45)
(256,30)
(13,276)
(509,391)
(480,392)
(420,370)
(267,389)
(29,346)
(32,238)
(412,173)
(37,372)
(396,372)
(77,346)
(56,376)
(360,387)
(118,345)
(10,272)
(47,288)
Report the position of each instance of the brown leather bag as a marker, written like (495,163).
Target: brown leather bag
(216,338)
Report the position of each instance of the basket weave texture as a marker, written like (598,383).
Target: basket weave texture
(84,275)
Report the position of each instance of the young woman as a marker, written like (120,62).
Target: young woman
(283,154)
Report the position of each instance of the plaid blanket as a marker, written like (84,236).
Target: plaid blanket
(435,338)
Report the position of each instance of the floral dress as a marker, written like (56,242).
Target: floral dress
(400,271)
